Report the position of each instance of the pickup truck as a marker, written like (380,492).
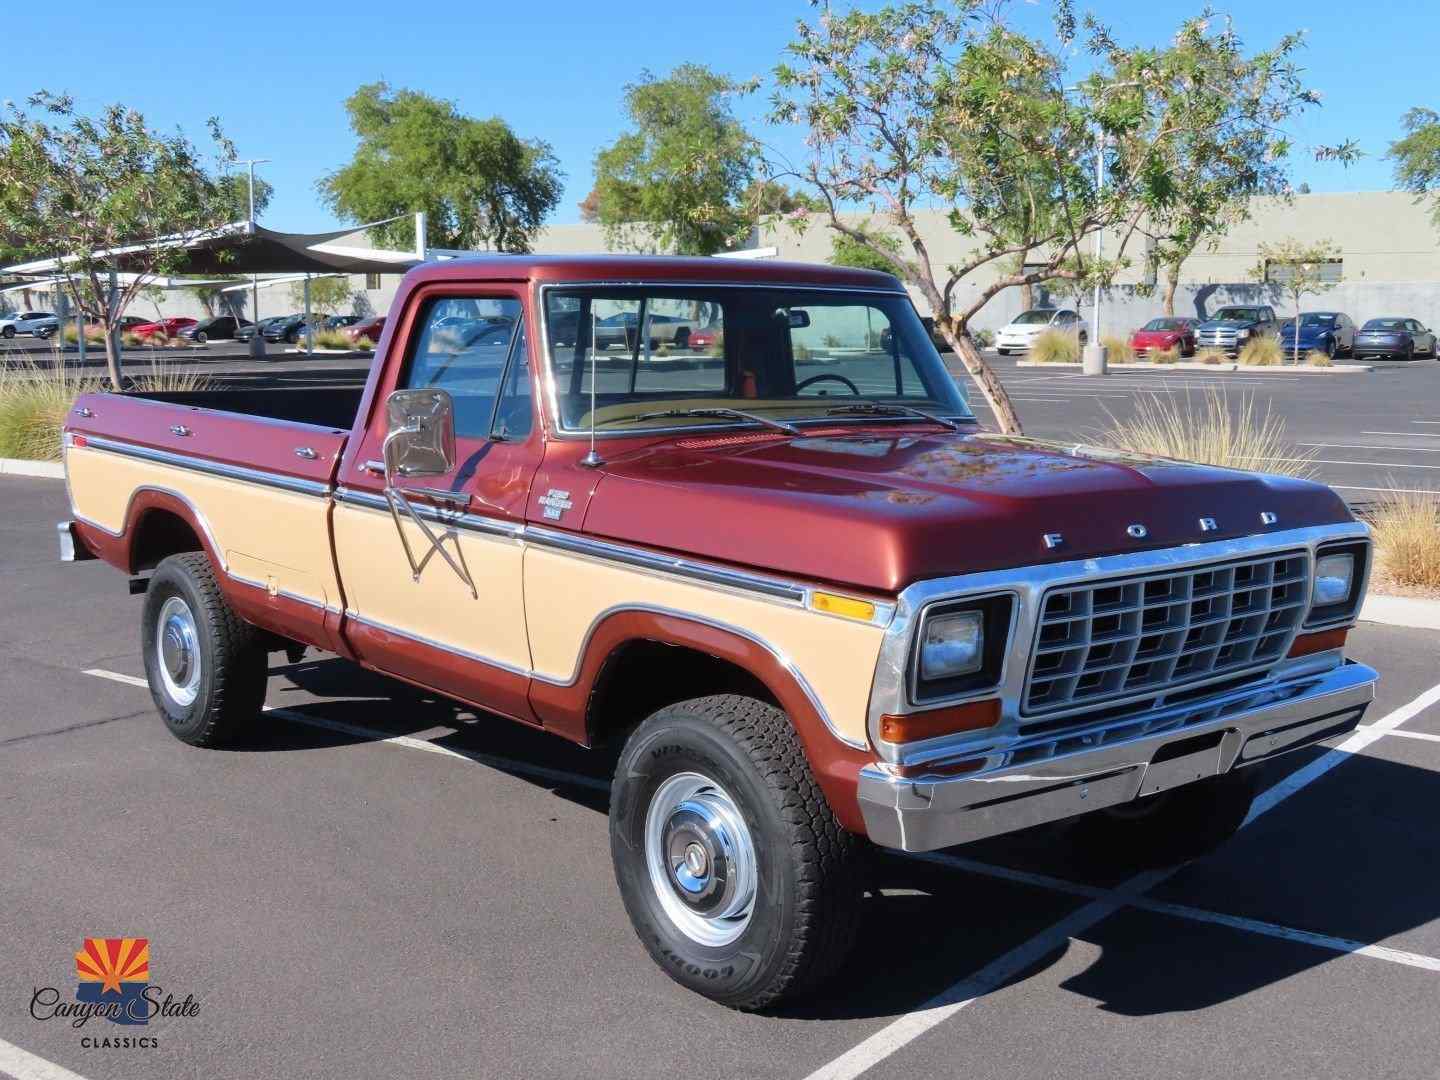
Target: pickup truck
(809,603)
(1231,327)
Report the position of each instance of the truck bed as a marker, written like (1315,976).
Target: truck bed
(327,406)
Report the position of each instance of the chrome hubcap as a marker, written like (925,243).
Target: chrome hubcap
(701,859)
(178,648)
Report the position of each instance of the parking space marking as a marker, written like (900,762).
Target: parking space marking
(1102,902)
(1422,735)
(23,1065)
(1368,446)
(1404,434)
(1185,911)
(1402,491)
(1329,461)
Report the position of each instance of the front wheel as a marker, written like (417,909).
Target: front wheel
(737,878)
(206,666)
(8,332)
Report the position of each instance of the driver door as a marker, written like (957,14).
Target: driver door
(461,632)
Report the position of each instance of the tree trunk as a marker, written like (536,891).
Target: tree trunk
(1171,281)
(112,355)
(959,339)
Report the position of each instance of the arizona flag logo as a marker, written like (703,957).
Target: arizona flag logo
(115,971)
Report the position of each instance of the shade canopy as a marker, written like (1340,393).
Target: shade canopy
(243,248)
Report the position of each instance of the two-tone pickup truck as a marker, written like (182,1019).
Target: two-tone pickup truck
(811,600)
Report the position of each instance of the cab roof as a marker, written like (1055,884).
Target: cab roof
(637,268)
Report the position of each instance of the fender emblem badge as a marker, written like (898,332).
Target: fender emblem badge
(555,502)
(1138,531)
(1268,517)
(1053,540)
(1208,525)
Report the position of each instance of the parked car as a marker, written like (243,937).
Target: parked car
(1013,632)
(38,323)
(171,327)
(366,329)
(1164,333)
(706,337)
(289,328)
(1020,332)
(339,322)
(249,330)
(1330,332)
(1398,336)
(218,328)
(1231,327)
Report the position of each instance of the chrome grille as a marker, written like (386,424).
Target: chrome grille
(1131,637)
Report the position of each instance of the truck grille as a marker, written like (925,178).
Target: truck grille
(1142,636)
(1217,339)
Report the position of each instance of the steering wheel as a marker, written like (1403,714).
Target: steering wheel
(827,375)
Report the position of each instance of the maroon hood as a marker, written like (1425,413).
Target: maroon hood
(880,511)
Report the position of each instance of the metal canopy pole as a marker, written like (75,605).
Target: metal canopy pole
(309,330)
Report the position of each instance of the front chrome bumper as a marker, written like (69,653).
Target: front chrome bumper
(72,548)
(997,796)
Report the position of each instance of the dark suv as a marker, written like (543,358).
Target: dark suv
(1231,327)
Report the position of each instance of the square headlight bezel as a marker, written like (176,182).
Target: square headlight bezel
(997,622)
(1345,611)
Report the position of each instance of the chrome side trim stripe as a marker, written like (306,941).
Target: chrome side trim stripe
(212,468)
(464,654)
(574,544)
(285,594)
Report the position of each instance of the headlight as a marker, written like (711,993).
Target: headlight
(1242,335)
(952,645)
(1334,577)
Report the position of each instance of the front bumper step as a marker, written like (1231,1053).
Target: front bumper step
(1244,727)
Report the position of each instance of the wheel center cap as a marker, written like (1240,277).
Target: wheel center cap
(176,651)
(696,861)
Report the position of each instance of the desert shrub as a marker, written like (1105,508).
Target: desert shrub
(1166,356)
(332,339)
(1212,356)
(1118,348)
(94,335)
(1316,358)
(1262,351)
(131,340)
(1055,347)
(1407,537)
(983,339)
(1208,431)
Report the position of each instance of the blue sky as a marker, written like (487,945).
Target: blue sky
(276,74)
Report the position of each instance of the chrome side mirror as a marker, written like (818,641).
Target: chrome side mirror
(420,439)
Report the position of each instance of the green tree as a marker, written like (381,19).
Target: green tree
(678,179)
(1296,267)
(876,252)
(480,185)
(1417,157)
(933,102)
(327,294)
(76,186)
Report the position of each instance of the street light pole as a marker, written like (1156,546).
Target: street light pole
(257,342)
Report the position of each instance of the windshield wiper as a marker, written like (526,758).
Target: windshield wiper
(734,414)
(873,408)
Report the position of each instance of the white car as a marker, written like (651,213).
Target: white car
(39,323)
(1020,332)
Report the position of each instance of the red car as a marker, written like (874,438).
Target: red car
(164,328)
(1166,332)
(370,329)
(706,337)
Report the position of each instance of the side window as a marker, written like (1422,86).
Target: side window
(461,348)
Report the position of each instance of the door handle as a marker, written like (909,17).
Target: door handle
(376,467)
(180,429)
(306,452)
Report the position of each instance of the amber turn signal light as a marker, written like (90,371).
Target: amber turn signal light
(1322,641)
(912,727)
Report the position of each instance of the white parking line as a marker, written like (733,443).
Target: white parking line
(1424,735)
(1102,902)
(1329,461)
(1405,434)
(1368,446)
(23,1065)
(1402,491)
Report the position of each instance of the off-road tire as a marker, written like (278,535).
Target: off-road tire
(1183,823)
(231,654)
(809,879)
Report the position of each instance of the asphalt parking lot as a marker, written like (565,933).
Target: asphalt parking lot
(1365,432)
(381,883)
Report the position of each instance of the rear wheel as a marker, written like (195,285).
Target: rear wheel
(1183,823)
(200,338)
(737,878)
(8,332)
(206,666)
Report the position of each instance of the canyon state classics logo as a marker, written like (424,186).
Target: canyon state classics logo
(115,972)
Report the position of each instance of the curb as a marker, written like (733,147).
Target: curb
(50,470)
(1242,369)
(1401,611)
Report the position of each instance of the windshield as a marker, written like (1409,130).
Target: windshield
(1384,324)
(1165,324)
(1030,318)
(780,354)
(1238,314)
(1311,320)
